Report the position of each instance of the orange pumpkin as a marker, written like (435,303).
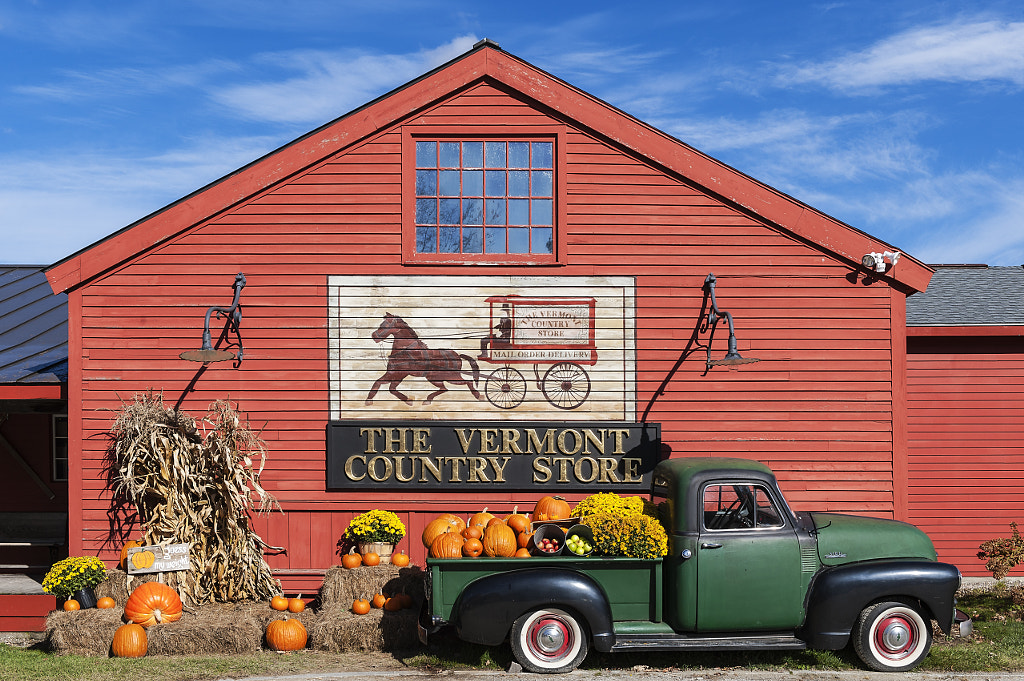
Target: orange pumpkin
(153,603)
(130,640)
(472,548)
(378,600)
(105,603)
(473,532)
(517,521)
(499,540)
(551,508)
(351,560)
(400,559)
(124,553)
(286,634)
(447,545)
(523,553)
(523,539)
(370,558)
(481,518)
(393,603)
(495,521)
(455,520)
(296,605)
(360,606)
(279,603)
(405,599)
(440,525)
(71,604)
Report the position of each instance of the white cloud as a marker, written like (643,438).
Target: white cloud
(953,52)
(330,83)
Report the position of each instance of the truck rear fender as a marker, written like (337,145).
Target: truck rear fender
(487,607)
(837,596)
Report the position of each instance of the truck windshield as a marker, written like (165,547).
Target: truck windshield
(731,506)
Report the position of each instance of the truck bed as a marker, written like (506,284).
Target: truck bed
(633,585)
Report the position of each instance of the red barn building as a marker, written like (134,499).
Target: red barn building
(486,286)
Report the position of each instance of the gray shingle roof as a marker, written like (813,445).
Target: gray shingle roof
(33,327)
(970,296)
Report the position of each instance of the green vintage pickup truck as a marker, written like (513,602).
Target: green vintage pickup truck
(743,572)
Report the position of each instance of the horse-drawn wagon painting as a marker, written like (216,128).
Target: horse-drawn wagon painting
(482,347)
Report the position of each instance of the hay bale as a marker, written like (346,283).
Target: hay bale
(82,632)
(218,628)
(339,630)
(342,586)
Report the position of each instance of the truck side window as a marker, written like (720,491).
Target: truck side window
(739,506)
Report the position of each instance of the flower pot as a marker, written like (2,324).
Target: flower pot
(85,597)
(381,549)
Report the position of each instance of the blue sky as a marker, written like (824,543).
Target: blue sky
(903,119)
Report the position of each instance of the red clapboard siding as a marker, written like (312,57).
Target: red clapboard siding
(966,423)
(818,407)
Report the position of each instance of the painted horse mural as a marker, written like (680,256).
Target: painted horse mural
(411,357)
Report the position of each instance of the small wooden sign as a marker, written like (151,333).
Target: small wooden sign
(163,558)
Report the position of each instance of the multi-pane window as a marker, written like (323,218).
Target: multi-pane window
(60,448)
(481,197)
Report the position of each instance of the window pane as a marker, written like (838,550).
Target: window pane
(448,184)
(541,241)
(450,212)
(542,155)
(449,154)
(518,211)
(426,240)
(426,211)
(496,240)
(541,183)
(472,211)
(426,183)
(449,241)
(518,240)
(473,240)
(472,154)
(496,211)
(518,154)
(519,183)
(541,213)
(426,154)
(472,183)
(495,154)
(495,183)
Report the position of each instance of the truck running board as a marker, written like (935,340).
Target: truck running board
(677,642)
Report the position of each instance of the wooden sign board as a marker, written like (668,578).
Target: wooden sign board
(164,558)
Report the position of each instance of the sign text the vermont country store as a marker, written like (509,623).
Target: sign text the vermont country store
(599,456)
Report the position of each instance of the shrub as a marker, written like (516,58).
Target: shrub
(634,535)
(1002,554)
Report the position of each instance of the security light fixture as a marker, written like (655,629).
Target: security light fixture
(876,261)
(732,357)
(207,353)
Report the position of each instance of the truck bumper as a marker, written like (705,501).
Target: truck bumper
(962,625)
(425,624)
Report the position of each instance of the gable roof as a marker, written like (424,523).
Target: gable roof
(33,328)
(485,61)
(970,295)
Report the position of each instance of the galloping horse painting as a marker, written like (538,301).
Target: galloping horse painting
(411,357)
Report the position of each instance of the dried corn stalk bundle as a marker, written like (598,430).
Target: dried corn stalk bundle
(197,483)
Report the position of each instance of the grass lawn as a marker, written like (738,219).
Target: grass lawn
(997,646)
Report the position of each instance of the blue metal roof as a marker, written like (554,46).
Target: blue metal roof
(33,327)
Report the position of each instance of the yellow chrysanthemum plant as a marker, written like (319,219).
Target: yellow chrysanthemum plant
(71,574)
(623,526)
(375,526)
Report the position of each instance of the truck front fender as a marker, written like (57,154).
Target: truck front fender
(487,607)
(837,596)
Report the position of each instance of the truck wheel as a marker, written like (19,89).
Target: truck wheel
(549,641)
(891,637)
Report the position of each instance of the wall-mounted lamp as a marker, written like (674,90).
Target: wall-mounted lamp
(207,353)
(732,357)
(876,261)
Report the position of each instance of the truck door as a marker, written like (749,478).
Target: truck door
(748,561)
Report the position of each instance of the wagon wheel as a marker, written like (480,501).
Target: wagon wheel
(505,388)
(566,385)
